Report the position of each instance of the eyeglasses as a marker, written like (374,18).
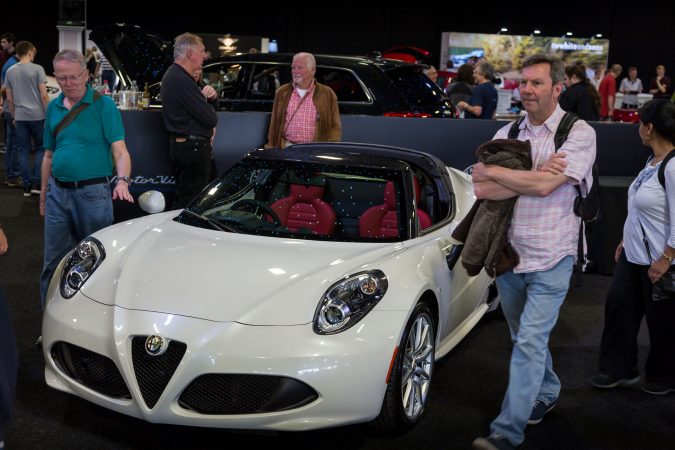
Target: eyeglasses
(71,78)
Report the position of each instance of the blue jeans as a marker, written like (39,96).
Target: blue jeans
(25,130)
(11,152)
(70,216)
(531,302)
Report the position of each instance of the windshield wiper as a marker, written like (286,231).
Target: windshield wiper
(213,223)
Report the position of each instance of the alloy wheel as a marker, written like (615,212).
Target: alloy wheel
(418,360)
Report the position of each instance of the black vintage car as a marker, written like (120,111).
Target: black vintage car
(247,82)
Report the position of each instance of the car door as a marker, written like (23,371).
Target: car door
(458,293)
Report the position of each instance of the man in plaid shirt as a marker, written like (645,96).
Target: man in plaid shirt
(304,110)
(544,232)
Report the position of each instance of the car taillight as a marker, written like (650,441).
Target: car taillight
(406,114)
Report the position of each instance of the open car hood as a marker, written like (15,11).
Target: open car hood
(134,53)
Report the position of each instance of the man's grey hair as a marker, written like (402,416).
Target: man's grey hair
(72,56)
(311,61)
(555,64)
(183,43)
(486,69)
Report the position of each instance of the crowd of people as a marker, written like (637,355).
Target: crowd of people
(589,94)
(79,170)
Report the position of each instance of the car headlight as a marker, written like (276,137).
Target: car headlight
(348,301)
(80,264)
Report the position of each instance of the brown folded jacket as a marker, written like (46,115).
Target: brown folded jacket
(484,230)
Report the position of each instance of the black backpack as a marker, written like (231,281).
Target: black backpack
(662,168)
(588,207)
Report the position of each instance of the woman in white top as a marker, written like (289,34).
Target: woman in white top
(643,256)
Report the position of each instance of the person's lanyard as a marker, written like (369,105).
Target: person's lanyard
(307,94)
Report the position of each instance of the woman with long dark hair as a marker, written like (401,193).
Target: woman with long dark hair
(580,97)
(462,86)
(645,254)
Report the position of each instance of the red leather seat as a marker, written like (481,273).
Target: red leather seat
(305,209)
(424,218)
(381,221)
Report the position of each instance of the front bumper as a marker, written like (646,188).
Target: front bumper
(347,371)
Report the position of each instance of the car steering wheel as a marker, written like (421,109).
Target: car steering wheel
(256,205)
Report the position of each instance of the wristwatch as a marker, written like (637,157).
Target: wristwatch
(124,178)
(668,258)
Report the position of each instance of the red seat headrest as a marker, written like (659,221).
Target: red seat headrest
(390,195)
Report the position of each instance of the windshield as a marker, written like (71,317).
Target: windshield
(305,201)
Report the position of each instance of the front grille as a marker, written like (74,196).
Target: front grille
(245,394)
(154,372)
(97,372)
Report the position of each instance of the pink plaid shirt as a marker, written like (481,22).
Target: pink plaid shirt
(301,125)
(545,229)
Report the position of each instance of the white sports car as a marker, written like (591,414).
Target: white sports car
(308,287)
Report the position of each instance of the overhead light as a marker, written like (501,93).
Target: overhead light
(537,31)
(504,30)
(569,33)
(599,35)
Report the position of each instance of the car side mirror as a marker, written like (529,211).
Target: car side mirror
(453,255)
(152,202)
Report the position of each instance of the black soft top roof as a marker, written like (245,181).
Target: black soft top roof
(365,155)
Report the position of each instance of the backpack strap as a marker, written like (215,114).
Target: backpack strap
(662,168)
(68,119)
(566,123)
(564,128)
(514,131)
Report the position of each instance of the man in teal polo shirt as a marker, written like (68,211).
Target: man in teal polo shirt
(76,197)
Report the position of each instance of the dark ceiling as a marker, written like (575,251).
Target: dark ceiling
(640,34)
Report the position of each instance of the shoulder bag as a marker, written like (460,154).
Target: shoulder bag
(664,289)
(68,119)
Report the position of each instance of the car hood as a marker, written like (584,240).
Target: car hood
(178,269)
(134,53)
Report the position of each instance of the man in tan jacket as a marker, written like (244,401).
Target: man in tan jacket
(304,110)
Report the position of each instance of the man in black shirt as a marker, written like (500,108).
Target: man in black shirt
(189,118)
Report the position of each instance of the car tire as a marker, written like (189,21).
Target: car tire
(411,373)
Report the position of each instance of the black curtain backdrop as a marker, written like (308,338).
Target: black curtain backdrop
(641,34)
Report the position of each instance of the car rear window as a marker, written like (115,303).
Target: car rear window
(416,87)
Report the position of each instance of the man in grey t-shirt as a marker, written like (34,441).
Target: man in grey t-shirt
(27,97)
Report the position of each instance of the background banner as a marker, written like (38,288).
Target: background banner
(506,52)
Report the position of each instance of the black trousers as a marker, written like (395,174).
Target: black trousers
(628,301)
(191,167)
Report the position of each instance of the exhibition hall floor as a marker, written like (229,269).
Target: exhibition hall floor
(466,393)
